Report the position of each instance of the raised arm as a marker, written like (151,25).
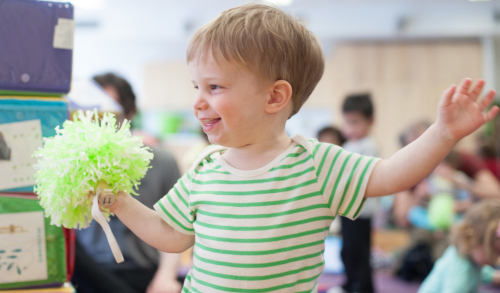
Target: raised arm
(460,112)
(149,226)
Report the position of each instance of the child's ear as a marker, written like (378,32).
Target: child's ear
(281,93)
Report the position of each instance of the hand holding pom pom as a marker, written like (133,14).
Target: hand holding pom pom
(79,160)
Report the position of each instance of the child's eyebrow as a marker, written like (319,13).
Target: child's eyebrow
(213,79)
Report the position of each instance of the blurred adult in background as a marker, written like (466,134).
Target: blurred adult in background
(145,269)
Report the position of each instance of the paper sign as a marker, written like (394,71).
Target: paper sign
(19,140)
(23,254)
(64,33)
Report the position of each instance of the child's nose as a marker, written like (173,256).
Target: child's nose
(199,102)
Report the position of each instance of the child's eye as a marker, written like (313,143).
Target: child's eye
(196,87)
(214,87)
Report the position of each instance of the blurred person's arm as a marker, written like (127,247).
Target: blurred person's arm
(405,200)
(460,114)
(480,181)
(484,185)
(165,279)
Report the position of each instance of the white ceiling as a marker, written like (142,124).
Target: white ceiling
(174,21)
(124,35)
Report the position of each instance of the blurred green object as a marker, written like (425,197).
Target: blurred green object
(441,213)
(136,122)
(171,122)
(490,127)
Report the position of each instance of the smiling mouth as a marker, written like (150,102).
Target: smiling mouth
(210,122)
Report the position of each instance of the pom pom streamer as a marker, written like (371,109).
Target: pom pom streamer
(85,152)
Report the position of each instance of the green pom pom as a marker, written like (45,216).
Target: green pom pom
(83,153)
(441,213)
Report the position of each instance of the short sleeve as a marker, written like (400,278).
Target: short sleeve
(174,207)
(343,177)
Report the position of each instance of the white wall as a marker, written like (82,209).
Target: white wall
(131,34)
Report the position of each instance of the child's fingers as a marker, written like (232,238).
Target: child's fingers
(488,116)
(447,96)
(486,101)
(463,87)
(476,90)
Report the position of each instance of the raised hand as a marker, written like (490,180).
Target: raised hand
(461,112)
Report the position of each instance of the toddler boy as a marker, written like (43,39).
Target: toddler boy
(357,111)
(257,206)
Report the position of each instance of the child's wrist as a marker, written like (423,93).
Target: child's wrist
(441,133)
(121,200)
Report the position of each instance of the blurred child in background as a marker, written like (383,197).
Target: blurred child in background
(331,134)
(475,243)
(358,118)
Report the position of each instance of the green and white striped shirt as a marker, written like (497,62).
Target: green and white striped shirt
(263,230)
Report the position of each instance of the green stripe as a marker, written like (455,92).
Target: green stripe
(259,216)
(178,210)
(291,165)
(263,228)
(316,150)
(310,291)
(262,240)
(181,197)
(255,192)
(184,187)
(325,155)
(294,155)
(256,204)
(211,171)
(258,278)
(257,265)
(239,182)
(174,219)
(261,252)
(360,207)
(348,183)
(358,186)
(330,172)
(338,180)
(227,289)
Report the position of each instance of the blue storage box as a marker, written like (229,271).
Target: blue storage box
(36,48)
(23,123)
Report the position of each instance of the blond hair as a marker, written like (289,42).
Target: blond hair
(266,41)
(478,228)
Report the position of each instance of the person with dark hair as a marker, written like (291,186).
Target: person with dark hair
(120,90)
(357,111)
(145,269)
(331,135)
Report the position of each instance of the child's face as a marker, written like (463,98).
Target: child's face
(356,126)
(230,103)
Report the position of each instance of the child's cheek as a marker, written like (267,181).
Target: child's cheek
(479,257)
